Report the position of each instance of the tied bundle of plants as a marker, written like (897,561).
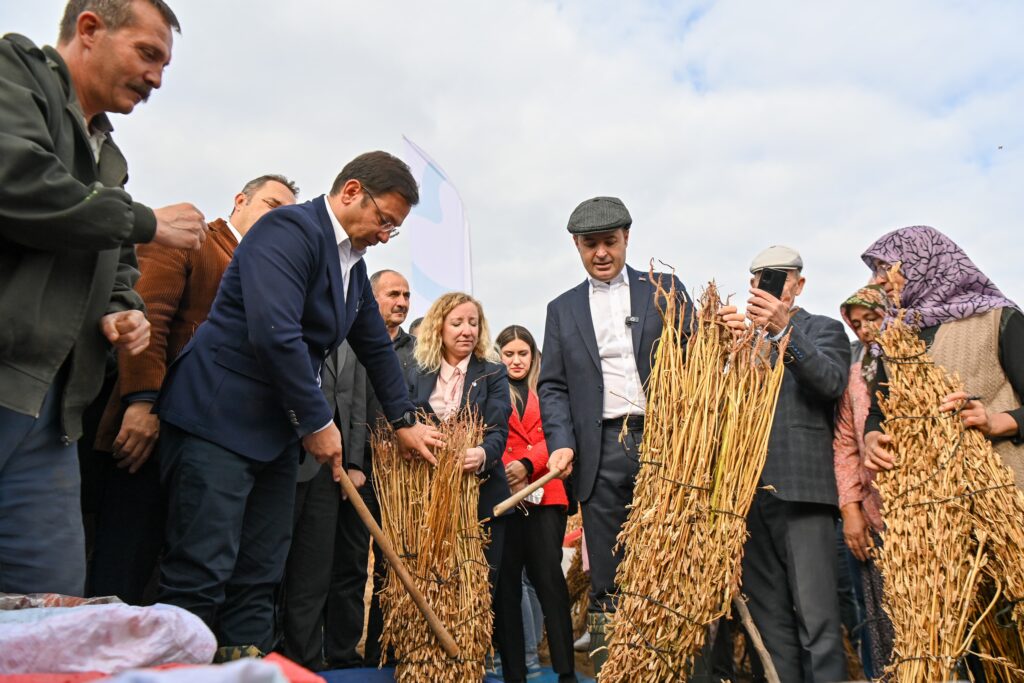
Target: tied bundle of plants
(711,402)
(952,558)
(429,514)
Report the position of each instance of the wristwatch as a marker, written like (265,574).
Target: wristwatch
(408,419)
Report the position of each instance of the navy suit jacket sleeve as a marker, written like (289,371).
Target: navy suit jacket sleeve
(819,356)
(497,410)
(275,271)
(369,338)
(553,387)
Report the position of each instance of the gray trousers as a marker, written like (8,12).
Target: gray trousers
(605,512)
(789,575)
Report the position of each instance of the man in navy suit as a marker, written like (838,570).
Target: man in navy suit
(244,397)
(598,343)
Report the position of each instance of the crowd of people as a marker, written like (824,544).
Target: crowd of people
(195,394)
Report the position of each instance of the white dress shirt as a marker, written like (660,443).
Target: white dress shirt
(234,230)
(349,257)
(609,308)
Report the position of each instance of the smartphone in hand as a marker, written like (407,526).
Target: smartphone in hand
(772,280)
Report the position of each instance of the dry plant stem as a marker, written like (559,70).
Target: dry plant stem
(430,515)
(953,551)
(770,674)
(708,418)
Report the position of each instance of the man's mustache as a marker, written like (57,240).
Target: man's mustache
(143,89)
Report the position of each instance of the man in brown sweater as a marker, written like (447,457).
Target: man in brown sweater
(178,287)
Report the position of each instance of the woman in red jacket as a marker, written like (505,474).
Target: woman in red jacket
(533,536)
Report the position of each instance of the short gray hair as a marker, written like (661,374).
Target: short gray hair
(375,278)
(114,13)
(250,188)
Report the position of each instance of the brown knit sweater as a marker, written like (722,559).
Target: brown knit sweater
(178,287)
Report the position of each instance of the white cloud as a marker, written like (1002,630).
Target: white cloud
(725,127)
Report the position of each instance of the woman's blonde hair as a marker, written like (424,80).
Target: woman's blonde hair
(429,345)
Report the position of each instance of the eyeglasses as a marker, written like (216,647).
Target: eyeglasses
(385,224)
(882,268)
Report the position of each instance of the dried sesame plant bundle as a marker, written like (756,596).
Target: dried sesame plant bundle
(709,415)
(953,554)
(578,583)
(430,515)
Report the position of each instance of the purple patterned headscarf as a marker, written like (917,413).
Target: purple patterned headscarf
(942,283)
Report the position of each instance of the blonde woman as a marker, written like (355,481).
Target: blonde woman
(455,369)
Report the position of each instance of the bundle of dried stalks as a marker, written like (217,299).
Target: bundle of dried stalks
(953,553)
(430,516)
(709,416)
(579,589)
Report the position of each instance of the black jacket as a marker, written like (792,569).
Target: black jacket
(361,458)
(66,228)
(800,458)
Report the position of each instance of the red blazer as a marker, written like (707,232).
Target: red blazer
(526,440)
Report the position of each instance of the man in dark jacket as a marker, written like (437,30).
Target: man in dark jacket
(343,628)
(598,348)
(790,561)
(67,265)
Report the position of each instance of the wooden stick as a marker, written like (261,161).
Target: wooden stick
(448,643)
(513,500)
(770,674)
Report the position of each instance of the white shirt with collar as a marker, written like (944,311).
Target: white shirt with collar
(609,308)
(234,230)
(349,257)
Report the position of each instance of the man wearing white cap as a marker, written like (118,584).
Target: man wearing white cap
(790,560)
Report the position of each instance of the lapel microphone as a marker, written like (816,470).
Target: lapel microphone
(631,320)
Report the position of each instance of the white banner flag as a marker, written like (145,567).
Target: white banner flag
(438,232)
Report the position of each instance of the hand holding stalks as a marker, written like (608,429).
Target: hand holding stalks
(734,320)
(418,440)
(877,457)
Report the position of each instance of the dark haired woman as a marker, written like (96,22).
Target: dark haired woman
(533,537)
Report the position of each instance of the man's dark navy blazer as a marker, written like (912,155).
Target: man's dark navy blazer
(571,384)
(249,379)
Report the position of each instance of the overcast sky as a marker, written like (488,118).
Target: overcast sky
(725,127)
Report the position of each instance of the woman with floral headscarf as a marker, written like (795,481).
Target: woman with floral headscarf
(859,502)
(970,328)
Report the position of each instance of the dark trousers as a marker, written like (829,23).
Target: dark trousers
(229,524)
(345,608)
(533,542)
(789,575)
(129,529)
(307,575)
(42,542)
(605,511)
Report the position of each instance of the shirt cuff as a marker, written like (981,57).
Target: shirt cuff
(779,335)
(137,396)
(317,431)
(528,465)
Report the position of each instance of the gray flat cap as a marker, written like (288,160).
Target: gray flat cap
(783,258)
(599,214)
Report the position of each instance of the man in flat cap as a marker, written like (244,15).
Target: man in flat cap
(597,358)
(790,559)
